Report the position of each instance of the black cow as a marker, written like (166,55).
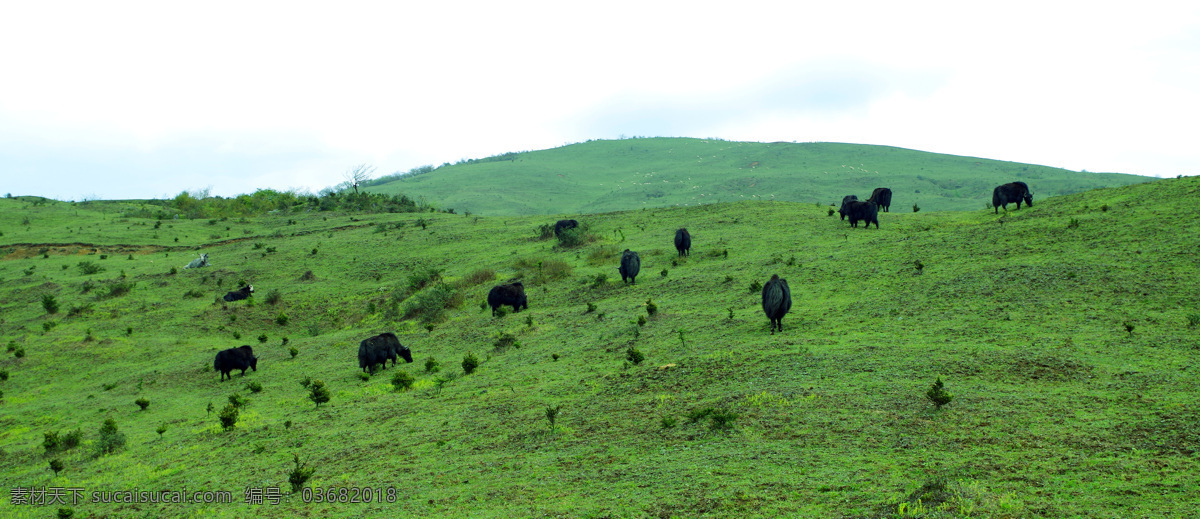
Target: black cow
(863,212)
(631,264)
(512,294)
(239,294)
(776,301)
(882,197)
(844,210)
(683,242)
(241,358)
(1010,193)
(563,225)
(380,348)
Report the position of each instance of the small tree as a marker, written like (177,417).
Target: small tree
(361,173)
(401,380)
(938,395)
(142,403)
(229,417)
(49,303)
(299,474)
(56,466)
(110,439)
(469,363)
(318,393)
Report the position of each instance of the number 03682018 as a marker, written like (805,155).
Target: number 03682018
(349,495)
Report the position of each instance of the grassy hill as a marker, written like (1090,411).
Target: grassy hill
(619,175)
(1066,333)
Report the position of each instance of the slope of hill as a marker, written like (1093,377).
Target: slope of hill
(1066,333)
(618,175)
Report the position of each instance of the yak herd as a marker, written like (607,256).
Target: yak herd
(776,296)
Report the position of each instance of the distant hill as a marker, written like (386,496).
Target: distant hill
(615,175)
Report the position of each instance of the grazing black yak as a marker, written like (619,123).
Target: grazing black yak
(239,294)
(1009,193)
(882,197)
(241,358)
(776,301)
(683,242)
(512,294)
(563,225)
(863,212)
(380,348)
(844,210)
(631,264)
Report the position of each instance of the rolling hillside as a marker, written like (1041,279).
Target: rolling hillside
(619,175)
(1066,333)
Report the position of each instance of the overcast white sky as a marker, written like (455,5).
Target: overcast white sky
(121,99)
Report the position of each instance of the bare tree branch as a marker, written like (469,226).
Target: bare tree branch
(361,173)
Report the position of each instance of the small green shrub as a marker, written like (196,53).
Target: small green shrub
(756,286)
(89,268)
(641,320)
(262,339)
(1193,320)
(111,440)
(48,325)
(3,375)
(49,304)
(293,351)
(162,428)
(722,419)
(552,414)
(228,417)
(238,400)
(254,387)
(305,382)
(318,393)
(274,297)
(193,293)
(651,308)
(504,341)
(574,237)
(591,307)
(1073,223)
(600,280)
(432,365)
(938,395)
(19,353)
(364,376)
(696,415)
(634,355)
(916,208)
(402,381)
(299,475)
(281,319)
(50,441)
(664,273)
(469,363)
(142,403)
(56,466)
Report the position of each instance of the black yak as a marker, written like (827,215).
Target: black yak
(563,225)
(882,197)
(241,358)
(683,242)
(845,209)
(776,301)
(631,264)
(380,348)
(1010,193)
(239,294)
(512,294)
(863,212)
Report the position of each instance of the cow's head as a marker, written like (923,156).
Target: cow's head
(250,289)
(254,363)
(405,353)
(1029,198)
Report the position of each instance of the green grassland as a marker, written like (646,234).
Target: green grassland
(1066,332)
(617,175)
